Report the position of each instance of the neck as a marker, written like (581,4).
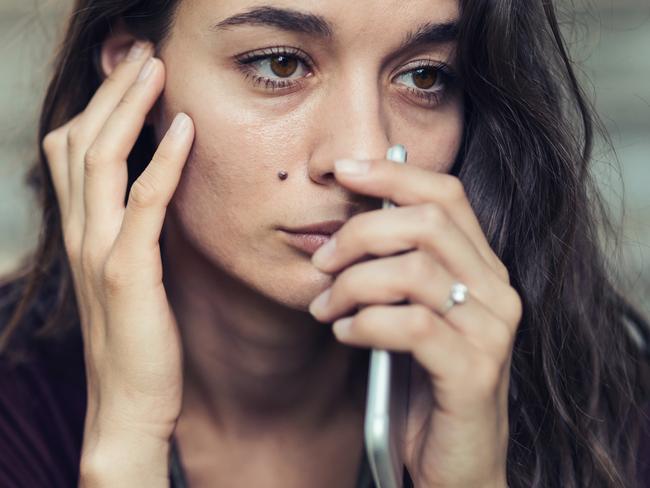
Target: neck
(251,363)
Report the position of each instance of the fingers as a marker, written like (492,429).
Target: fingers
(417,278)
(406,184)
(55,148)
(154,188)
(440,349)
(90,122)
(446,356)
(425,227)
(105,168)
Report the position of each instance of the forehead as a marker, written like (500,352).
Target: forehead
(345,18)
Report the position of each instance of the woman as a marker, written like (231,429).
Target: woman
(206,151)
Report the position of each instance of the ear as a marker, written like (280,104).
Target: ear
(115,48)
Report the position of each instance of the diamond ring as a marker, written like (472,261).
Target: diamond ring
(457,295)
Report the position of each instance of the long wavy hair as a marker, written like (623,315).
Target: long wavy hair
(579,377)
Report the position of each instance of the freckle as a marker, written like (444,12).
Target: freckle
(283,175)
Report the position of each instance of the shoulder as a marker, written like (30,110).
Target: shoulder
(42,409)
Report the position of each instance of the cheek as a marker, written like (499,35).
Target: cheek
(446,141)
(230,199)
(236,156)
(224,200)
(433,138)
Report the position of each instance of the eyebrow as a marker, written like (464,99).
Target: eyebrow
(317,26)
(280,18)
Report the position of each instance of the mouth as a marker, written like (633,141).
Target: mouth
(306,241)
(310,237)
(327,227)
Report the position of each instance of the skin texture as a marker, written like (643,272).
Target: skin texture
(229,335)
(262,349)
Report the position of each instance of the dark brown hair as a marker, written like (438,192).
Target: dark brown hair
(577,379)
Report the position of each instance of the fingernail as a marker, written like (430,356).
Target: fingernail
(147,69)
(137,50)
(320,302)
(351,166)
(324,253)
(341,327)
(179,124)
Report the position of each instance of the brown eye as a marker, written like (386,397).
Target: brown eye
(425,78)
(283,65)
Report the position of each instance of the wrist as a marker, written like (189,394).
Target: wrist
(123,457)
(125,463)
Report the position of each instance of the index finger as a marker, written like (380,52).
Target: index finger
(90,122)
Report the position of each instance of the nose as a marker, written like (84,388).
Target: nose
(350,123)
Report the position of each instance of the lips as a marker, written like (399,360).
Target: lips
(309,238)
(327,227)
(308,243)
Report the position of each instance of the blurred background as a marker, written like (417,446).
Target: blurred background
(609,40)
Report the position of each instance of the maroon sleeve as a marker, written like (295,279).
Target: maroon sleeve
(42,407)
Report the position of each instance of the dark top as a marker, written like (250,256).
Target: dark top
(42,408)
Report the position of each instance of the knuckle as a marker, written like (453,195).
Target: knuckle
(162,159)
(74,135)
(434,215)
(114,277)
(143,193)
(454,188)
(125,103)
(514,305)
(72,244)
(502,270)
(92,158)
(77,138)
(53,142)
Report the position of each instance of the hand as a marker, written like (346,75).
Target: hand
(132,347)
(457,427)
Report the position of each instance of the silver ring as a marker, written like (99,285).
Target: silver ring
(457,295)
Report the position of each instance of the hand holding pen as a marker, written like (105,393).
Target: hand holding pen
(459,323)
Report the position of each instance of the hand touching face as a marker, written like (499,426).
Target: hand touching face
(266,96)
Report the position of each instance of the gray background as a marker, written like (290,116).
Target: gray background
(610,40)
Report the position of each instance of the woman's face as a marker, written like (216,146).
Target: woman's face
(336,82)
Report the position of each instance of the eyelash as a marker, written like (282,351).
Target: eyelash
(246,61)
